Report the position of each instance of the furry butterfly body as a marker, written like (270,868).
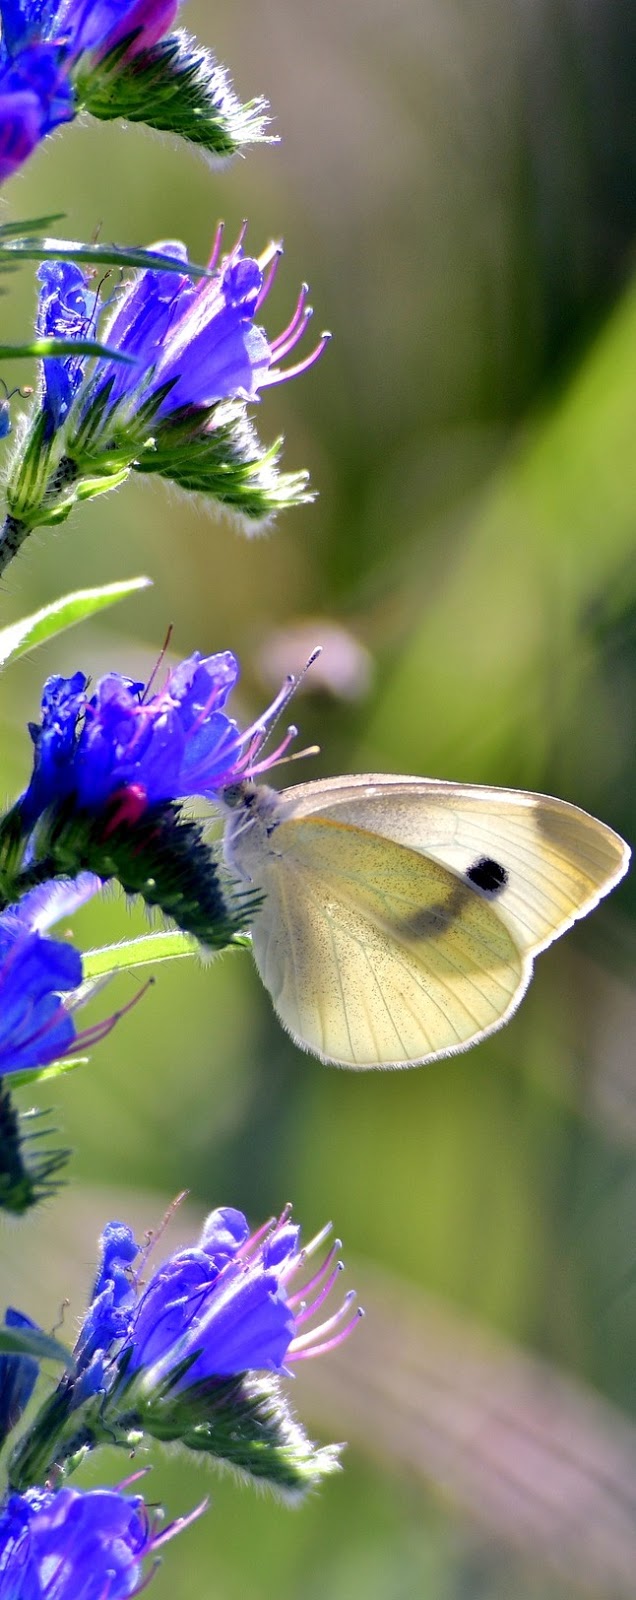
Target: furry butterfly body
(401,916)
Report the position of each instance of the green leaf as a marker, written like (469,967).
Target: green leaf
(63,347)
(60,614)
(33,1342)
(149,947)
(106,255)
(9,230)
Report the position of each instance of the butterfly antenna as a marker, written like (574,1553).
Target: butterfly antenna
(290,688)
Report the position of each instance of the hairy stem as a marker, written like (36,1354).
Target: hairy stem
(12,537)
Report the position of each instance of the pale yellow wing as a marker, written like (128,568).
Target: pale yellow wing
(556,861)
(375,955)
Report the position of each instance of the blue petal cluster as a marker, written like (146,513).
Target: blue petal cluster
(219,1309)
(191,345)
(40,45)
(217,1305)
(73,1545)
(170,745)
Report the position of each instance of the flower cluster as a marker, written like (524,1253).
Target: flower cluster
(112,766)
(123,740)
(188,357)
(196,1352)
(154,372)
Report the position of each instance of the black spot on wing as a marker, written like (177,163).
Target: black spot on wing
(488,876)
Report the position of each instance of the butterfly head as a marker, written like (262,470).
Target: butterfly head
(251,820)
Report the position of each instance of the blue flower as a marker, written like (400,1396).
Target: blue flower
(220,1309)
(65,308)
(35,96)
(36,973)
(193,346)
(42,43)
(35,1025)
(75,1544)
(145,748)
(111,1305)
(18,1377)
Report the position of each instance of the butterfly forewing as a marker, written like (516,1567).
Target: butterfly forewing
(556,862)
(376,955)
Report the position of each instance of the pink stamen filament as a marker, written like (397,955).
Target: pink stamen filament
(291,326)
(145,1582)
(309,1310)
(216,246)
(314,1283)
(263,766)
(179,1524)
(330,1344)
(329,1326)
(284,347)
(275,376)
(100,1030)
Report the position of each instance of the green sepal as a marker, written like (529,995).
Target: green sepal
(227,462)
(29,1172)
(33,473)
(178,87)
(245,1423)
(52,1436)
(162,856)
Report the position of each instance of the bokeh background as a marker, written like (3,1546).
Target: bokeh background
(458,183)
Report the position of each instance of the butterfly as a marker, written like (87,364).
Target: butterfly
(401,916)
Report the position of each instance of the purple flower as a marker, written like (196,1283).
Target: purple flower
(36,973)
(76,1544)
(194,346)
(222,1308)
(146,748)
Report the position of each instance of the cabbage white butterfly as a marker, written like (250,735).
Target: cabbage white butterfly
(401,916)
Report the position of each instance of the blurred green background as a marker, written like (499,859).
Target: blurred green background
(458,183)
